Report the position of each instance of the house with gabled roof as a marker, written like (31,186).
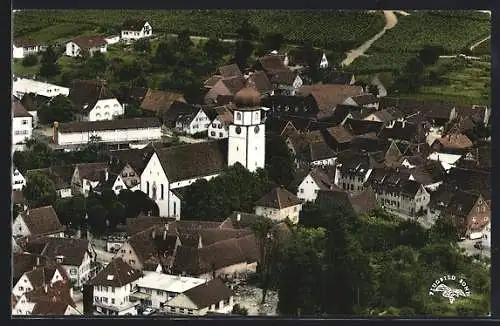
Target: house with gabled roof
(22,126)
(224,87)
(366,100)
(37,222)
(468,212)
(313,182)
(186,118)
(94,101)
(158,103)
(353,169)
(18,180)
(219,127)
(24,46)
(39,276)
(177,167)
(61,176)
(279,204)
(88,176)
(212,296)
(51,300)
(453,143)
(135,29)
(76,256)
(128,164)
(89,44)
(112,287)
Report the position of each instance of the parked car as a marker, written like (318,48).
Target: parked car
(148,311)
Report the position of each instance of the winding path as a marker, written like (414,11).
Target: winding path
(391,21)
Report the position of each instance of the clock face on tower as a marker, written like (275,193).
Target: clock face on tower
(256,129)
(238,130)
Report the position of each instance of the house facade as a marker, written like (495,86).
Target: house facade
(406,197)
(313,182)
(193,123)
(18,180)
(112,287)
(218,129)
(89,44)
(23,47)
(124,131)
(278,205)
(37,222)
(135,29)
(22,126)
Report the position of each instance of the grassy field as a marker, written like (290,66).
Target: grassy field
(463,85)
(339,29)
(19,70)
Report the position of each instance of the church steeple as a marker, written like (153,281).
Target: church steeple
(246,142)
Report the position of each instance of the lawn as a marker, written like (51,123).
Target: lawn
(19,70)
(464,85)
(60,33)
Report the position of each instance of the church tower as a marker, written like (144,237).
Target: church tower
(247,140)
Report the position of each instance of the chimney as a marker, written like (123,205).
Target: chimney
(238,217)
(55,129)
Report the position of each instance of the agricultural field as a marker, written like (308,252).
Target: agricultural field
(453,30)
(464,84)
(350,28)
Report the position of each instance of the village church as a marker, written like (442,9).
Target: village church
(170,170)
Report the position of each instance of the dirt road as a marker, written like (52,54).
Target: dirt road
(391,21)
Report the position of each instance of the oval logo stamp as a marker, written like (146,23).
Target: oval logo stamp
(450,287)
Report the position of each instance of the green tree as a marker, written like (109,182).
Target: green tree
(164,55)
(273,41)
(97,219)
(40,190)
(235,189)
(58,109)
(117,213)
(142,46)
(429,54)
(49,66)
(183,42)
(71,211)
(279,162)
(243,51)
(247,31)
(300,268)
(213,49)
(30,60)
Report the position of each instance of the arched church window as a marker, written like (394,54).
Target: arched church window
(238,130)
(238,115)
(154,191)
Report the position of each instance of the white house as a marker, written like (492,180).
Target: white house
(94,101)
(447,160)
(314,181)
(279,204)
(22,126)
(55,299)
(37,278)
(323,64)
(193,123)
(23,47)
(179,166)
(123,131)
(112,288)
(219,127)
(212,296)
(134,29)
(407,197)
(155,289)
(90,44)
(21,86)
(61,176)
(76,256)
(112,39)
(18,181)
(36,222)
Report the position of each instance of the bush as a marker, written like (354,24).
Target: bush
(30,61)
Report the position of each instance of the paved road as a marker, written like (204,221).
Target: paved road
(391,21)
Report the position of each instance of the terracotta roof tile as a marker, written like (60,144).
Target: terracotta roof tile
(88,42)
(160,101)
(328,96)
(116,274)
(42,220)
(278,198)
(209,293)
